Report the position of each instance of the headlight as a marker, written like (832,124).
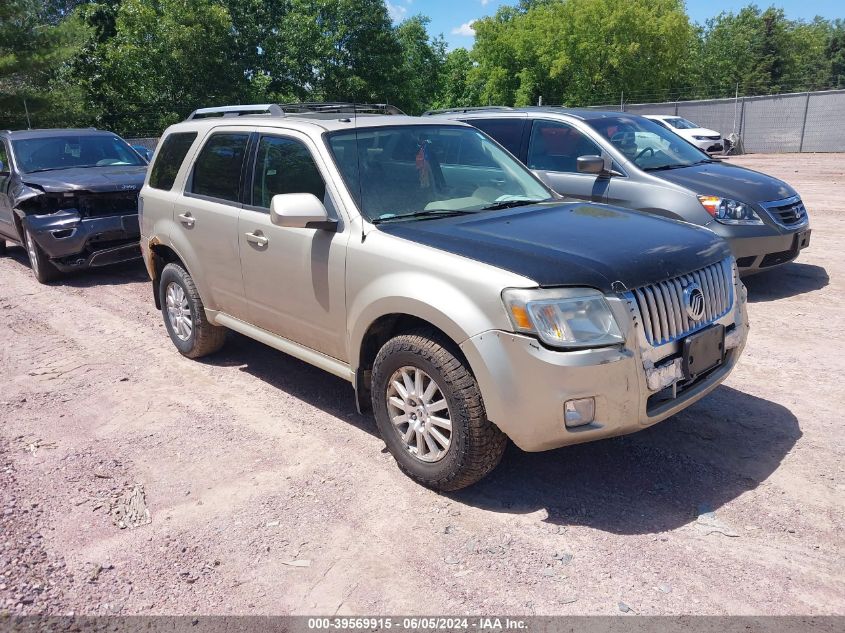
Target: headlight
(729,211)
(565,317)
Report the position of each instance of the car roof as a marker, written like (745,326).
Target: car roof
(47,133)
(308,123)
(584,114)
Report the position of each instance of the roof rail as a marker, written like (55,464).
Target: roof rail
(339,107)
(237,110)
(297,109)
(469,109)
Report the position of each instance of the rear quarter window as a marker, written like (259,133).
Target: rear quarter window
(217,170)
(508,132)
(173,150)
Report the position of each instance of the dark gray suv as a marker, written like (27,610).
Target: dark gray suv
(631,161)
(70,197)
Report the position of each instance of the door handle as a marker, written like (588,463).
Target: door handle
(257,239)
(187,219)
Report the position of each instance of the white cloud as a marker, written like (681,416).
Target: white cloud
(484,3)
(465,29)
(397,12)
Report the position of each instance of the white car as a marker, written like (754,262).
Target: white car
(709,141)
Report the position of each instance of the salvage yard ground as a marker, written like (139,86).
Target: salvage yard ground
(135,481)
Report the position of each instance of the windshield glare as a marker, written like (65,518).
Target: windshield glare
(67,151)
(397,172)
(647,144)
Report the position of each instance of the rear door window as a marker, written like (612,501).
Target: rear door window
(218,168)
(173,151)
(508,132)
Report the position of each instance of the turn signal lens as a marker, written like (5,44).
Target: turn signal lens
(710,204)
(520,317)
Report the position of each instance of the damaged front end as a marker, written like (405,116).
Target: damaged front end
(81,229)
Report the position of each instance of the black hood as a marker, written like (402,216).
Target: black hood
(729,181)
(577,244)
(93,179)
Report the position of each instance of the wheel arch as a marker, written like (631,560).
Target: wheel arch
(382,329)
(160,256)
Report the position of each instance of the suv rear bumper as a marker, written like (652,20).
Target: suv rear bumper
(525,386)
(73,242)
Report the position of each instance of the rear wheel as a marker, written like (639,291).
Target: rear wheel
(184,315)
(2,247)
(429,411)
(42,267)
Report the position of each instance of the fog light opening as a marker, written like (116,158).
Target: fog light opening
(579,412)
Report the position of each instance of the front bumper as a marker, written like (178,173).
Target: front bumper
(760,248)
(525,385)
(73,242)
(710,146)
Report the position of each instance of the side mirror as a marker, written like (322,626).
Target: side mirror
(300,211)
(591,165)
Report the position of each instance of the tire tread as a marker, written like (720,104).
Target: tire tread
(208,338)
(485,443)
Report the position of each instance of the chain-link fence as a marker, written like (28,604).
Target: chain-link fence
(797,122)
(148,142)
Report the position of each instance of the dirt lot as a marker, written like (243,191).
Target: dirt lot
(265,492)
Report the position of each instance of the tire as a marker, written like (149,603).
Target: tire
(2,247)
(474,444)
(42,267)
(189,328)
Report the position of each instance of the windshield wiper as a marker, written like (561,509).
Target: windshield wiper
(508,204)
(424,215)
(36,171)
(680,166)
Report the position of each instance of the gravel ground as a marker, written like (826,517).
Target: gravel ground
(135,481)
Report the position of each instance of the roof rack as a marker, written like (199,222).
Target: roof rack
(469,109)
(237,110)
(339,107)
(299,109)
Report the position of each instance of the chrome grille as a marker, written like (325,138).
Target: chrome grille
(788,213)
(662,305)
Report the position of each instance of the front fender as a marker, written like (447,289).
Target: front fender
(426,297)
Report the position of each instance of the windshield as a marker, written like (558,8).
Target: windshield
(401,172)
(681,124)
(647,144)
(73,150)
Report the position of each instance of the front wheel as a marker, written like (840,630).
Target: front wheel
(429,411)
(184,315)
(42,267)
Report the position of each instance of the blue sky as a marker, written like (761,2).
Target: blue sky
(453,18)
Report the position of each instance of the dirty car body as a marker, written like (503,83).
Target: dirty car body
(75,192)
(396,242)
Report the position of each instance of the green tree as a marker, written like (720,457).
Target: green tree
(166,58)
(335,50)
(37,43)
(581,51)
(459,84)
(423,60)
(835,53)
(760,51)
